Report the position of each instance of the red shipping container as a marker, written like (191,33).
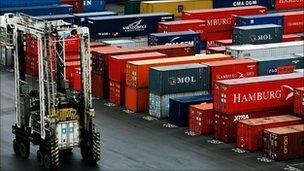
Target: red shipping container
(225,42)
(137,100)
(299,101)
(293,21)
(76,80)
(291,37)
(117,92)
(117,63)
(284,142)
(70,68)
(72,44)
(72,57)
(212,37)
(250,132)
(220,19)
(181,25)
(77,4)
(97,85)
(201,118)
(288,4)
(213,50)
(225,124)
(256,93)
(232,69)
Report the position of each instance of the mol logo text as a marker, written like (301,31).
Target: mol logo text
(261,37)
(181,80)
(135,26)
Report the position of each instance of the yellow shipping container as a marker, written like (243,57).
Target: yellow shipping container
(175,7)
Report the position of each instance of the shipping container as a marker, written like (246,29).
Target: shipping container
(249,132)
(256,93)
(225,125)
(93,5)
(159,104)
(132,7)
(76,80)
(240,3)
(80,17)
(70,68)
(299,101)
(272,49)
(127,42)
(126,25)
(231,69)
(259,19)
(40,10)
(77,4)
(211,37)
(175,7)
(117,63)
(137,100)
(201,118)
(179,107)
(181,37)
(137,73)
(98,85)
(65,17)
(293,21)
(23,3)
(213,50)
(288,4)
(181,25)
(271,65)
(284,142)
(225,42)
(215,20)
(179,78)
(257,34)
(117,92)
(292,38)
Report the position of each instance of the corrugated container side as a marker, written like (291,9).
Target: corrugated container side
(256,93)
(179,78)
(21,3)
(97,85)
(249,132)
(278,65)
(284,142)
(137,100)
(117,92)
(159,104)
(201,118)
(225,125)
(259,19)
(293,22)
(257,34)
(299,101)
(179,107)
(175,7)
(283,4)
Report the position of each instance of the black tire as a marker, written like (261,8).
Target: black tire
(90,149)
(24,149)
(47,162)
(40,158)
(16,147)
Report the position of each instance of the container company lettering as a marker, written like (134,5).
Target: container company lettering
(220,21)
(174,41)
(240,117)
(261,37)
(244,3)
(285,90)
(135,26)
(181,80)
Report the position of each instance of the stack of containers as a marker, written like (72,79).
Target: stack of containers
(179,108)
(218,23)
(201,118)
(175,81)
(117,73)
(299,101)
(100,58)
(284,64)
(81,17)
(31,55)
(137,77)
(257,34)
(252,97)
(250,132)
(284,142)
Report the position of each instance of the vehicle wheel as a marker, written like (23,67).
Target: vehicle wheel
(16,147)
(47,162)
(24,149)
(90,149)
(40,158)
(51,157)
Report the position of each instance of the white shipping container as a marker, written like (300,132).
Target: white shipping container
(272,49)
(127,42)
(159,104)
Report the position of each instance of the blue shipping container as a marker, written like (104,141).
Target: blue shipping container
(125,25)
(40,10)
(178,112)
(259,19)
(269,4)
(24,3)
(189,37)
(65,17)
(80,17)
(93,5)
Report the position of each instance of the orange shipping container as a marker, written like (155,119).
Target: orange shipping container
(137,73)
(136,100)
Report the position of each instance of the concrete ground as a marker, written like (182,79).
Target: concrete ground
(132,142)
